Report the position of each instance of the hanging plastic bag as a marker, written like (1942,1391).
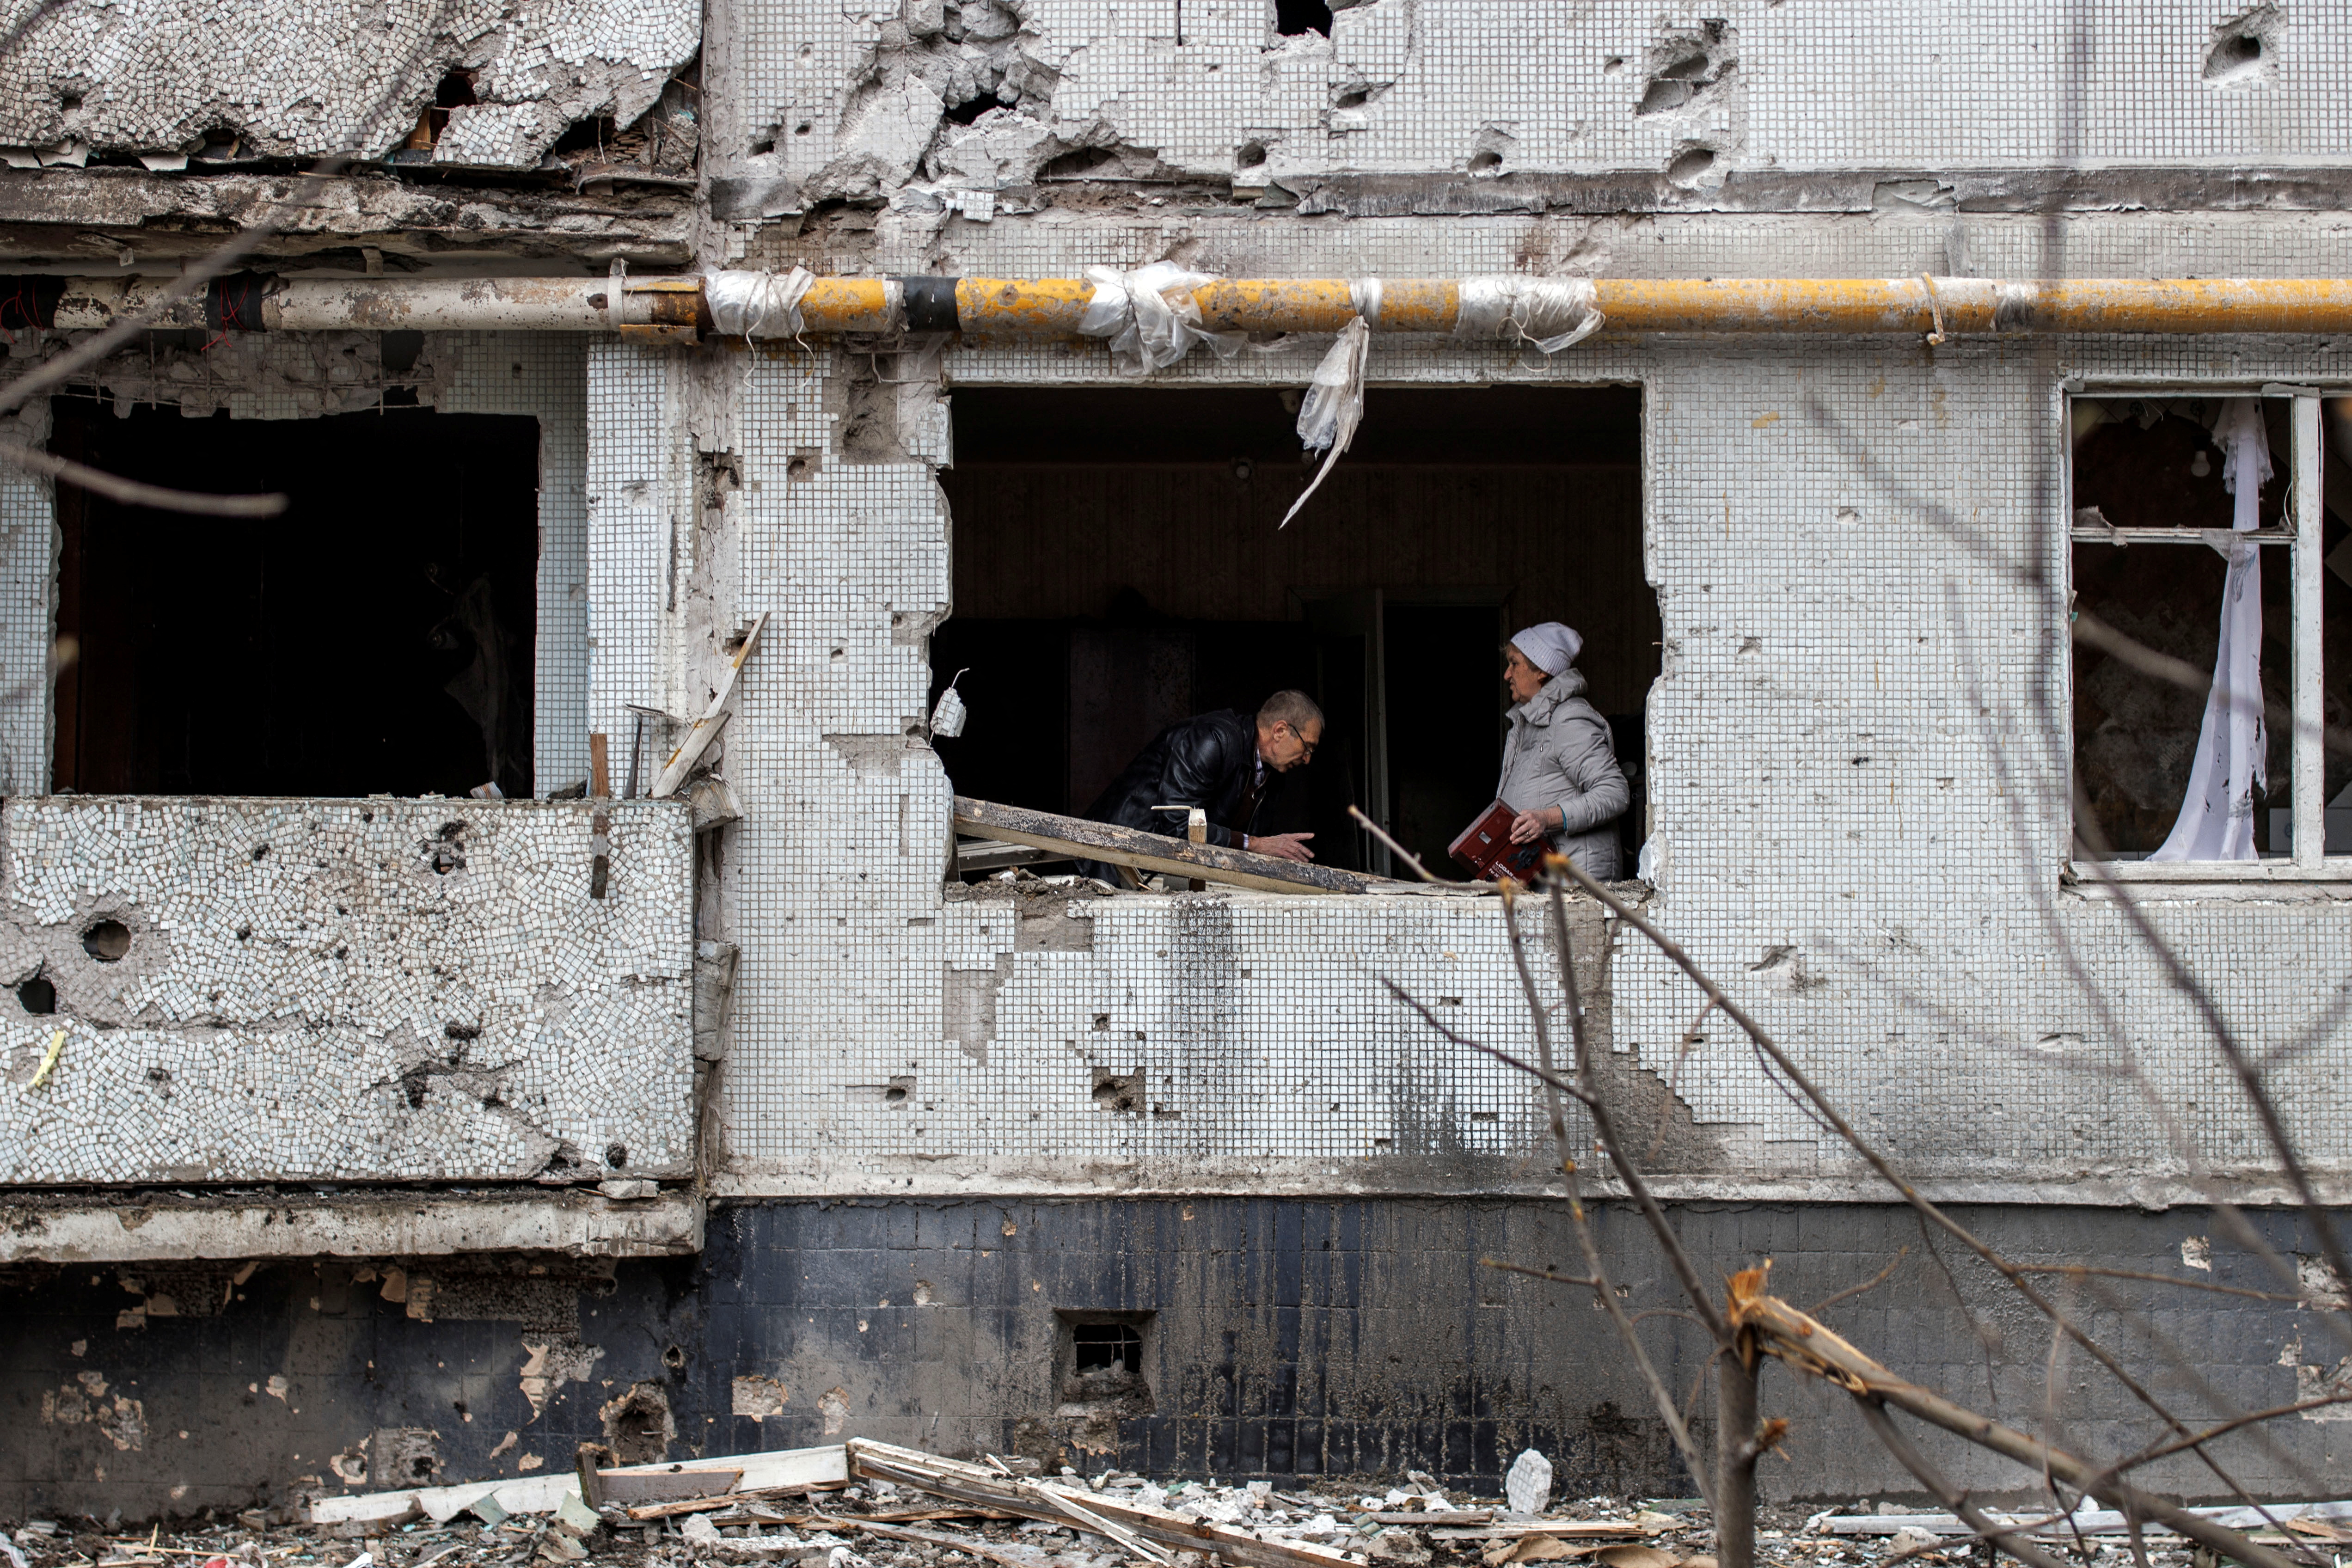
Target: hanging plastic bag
(1333,404)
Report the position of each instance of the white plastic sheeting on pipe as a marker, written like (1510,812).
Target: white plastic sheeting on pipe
(1547,313)
(757,304)
(1147,330)
(1333,404)
(2217,817)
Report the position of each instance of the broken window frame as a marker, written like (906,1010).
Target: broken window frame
(2307,786)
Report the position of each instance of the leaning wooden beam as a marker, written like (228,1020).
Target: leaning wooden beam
(1810,1346)
(1078,1508)
(1084,840)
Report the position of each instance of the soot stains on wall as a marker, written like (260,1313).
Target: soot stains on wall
(1276,1338)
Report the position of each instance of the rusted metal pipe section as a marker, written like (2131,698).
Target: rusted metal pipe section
(673,309)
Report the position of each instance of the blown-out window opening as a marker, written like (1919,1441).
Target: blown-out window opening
(2211,612)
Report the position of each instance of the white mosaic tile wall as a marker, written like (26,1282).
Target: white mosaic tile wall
(640,493)
(1857,781)
(1409,85)
(544,375)
(345,990)
(28,572)
(296,79)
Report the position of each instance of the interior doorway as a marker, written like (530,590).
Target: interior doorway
(375,637)
(1118,565)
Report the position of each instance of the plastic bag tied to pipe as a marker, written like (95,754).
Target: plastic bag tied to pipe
(1548,314)
(1333,404)
(757,304)
(1147,329)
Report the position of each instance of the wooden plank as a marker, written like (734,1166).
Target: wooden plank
(674,1484)
(824,1466)
(705,729)
(1085,840)
(1061,1504)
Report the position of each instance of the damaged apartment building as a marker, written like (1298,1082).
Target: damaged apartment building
(501,956)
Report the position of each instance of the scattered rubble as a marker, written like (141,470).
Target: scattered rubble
(824,1507)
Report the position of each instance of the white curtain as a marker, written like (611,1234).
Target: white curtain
(2217,817)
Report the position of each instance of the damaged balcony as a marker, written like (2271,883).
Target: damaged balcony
(296,963)
(221,993)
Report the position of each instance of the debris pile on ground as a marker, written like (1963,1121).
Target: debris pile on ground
(864,1511)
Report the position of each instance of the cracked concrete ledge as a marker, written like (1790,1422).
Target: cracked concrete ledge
(1454,1177)
(2233,188)
(71,215)
(130,1227)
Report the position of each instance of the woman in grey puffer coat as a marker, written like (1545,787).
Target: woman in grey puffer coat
(1560,763)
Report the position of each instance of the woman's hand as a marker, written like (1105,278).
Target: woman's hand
(1531,825)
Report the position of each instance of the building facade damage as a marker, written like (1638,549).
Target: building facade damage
(504,946)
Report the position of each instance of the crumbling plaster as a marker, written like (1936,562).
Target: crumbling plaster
(858,105)
(252,990)
(290,79)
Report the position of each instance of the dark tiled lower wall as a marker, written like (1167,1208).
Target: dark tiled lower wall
(1283,1337)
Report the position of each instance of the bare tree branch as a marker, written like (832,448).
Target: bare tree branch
(2009,1538)
(1603,1289)
(1813,1348)
(132,492)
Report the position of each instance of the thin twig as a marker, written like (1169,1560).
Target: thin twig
(1395,848)
(2083,1271)
(132,492)
(1605,1128)
(1872,1283)
(1533,1273)
(2252,1418)
(2128,650)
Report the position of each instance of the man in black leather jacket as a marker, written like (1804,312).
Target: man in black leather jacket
(1219,762)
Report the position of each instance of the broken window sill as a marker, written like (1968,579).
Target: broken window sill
(2088,875)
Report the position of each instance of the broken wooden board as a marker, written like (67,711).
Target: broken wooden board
(781,1470)
(1442,1529)
(672,1483)
(1083,840)
(705,729)
(1079,1508)
(651,1511)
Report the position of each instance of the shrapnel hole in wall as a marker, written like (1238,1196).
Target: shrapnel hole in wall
(1106,588)
(106,941)
(376,638)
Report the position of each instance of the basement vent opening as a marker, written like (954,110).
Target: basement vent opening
(1107,1347)
(1101,1358)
